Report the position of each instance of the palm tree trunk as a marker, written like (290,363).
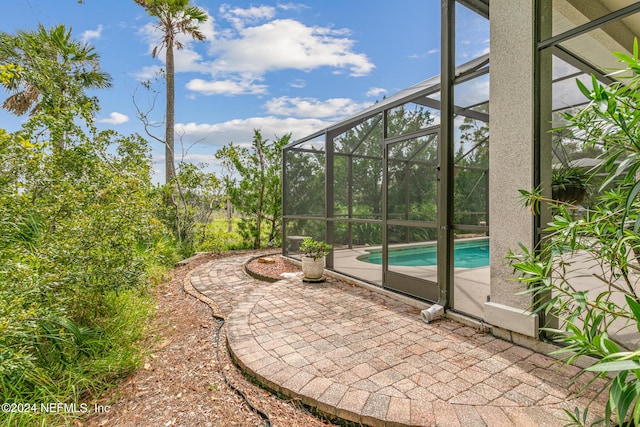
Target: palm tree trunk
(170,171)
(259,148)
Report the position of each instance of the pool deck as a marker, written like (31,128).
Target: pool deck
(364,357)
(471,285)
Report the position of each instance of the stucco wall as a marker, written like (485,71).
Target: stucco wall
(511,148)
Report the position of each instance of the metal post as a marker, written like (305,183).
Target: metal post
(283,230)
(445,154)
(542,144)
(329,184)
(350,198)
(385,192)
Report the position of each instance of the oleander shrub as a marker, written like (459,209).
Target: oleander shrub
(607,238)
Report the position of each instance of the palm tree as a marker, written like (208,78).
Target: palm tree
(47,71)
(175,17)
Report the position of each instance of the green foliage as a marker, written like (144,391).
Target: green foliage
(78,232)
(186,205)
(606,238)
(77,238)
(570,176)
(471,172)
(570,184)
(304,227)
(47,74)
(74,364)
(254,186)
(315,249)
(411,167)
(358,178)
(305,172)
(222,236)
(357,170)
(367,234)
(175,17)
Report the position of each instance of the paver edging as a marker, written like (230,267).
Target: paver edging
(259,276)
(246,304)
(317,406)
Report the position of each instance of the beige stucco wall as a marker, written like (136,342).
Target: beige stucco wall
(511,148)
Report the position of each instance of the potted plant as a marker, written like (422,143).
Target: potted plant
(569,184)
(313,255)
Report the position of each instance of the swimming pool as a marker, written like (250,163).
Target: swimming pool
(466,254)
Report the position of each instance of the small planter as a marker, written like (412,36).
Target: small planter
(313,255)
(312,268)
(573,194)
(569,184)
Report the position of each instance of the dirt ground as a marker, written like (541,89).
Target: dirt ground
(188,379)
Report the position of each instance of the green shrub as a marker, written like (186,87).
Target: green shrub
(315,249)
(74,364)
(607,237)
(77,242)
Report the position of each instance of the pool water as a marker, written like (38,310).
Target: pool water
(469,254)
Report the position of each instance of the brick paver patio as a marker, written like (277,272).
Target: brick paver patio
(367,358)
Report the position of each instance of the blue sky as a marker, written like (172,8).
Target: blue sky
(281,67)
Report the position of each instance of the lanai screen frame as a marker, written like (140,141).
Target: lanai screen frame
(416,93)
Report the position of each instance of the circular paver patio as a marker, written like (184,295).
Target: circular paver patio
(355,354)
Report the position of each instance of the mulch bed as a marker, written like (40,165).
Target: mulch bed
(182,381)
(273,269)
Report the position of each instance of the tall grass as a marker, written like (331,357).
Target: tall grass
(218,238)
(75,364)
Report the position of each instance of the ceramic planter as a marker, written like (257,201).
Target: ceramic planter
(312,268)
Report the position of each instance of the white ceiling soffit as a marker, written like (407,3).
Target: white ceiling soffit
(481,7)
(596,46)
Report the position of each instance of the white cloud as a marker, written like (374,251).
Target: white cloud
(298,84)
(240,131)
(148,73)
(310,107)
(287,44)
(186,59)
(151,35)
(115,118)
(375,92)
(292,6)
(425,54)
(89,35)
(226,87)
(198,142)
(240,18)
(473,92)
(207,28)
(195,158)
(255,45)
(199,158)
(207,160)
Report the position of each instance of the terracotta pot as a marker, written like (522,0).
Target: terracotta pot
(312,268)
